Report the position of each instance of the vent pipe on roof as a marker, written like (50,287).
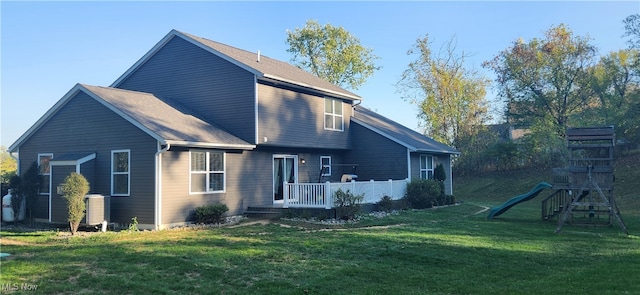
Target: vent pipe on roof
(258,56)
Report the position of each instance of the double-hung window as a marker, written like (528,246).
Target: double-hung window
(44,170)
(207,172)
(120,173)
(325,165)
(426,167)
(333,118)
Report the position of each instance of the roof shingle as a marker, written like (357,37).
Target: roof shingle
(172,123)
(386,127)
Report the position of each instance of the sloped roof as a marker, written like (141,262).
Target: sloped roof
(402,135)
(169,124)
(266,68)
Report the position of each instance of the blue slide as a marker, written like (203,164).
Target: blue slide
(517,200)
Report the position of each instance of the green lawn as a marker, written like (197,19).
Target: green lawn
(453,250)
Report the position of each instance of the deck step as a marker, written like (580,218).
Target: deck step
(264,212)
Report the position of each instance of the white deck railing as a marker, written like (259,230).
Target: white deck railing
(320,195)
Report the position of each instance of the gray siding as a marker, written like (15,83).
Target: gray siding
(84,125)
(444,159)
(295,119)
(248,183)
(378,158)
(58,204)
(218,91)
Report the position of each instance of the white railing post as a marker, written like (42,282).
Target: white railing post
(328,196)
(353,186)
(373,189)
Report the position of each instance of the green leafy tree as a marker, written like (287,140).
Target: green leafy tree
(615,83)
(29,189)
(8,165)
(545,79)
(331,53)
(74,188)
(451,97)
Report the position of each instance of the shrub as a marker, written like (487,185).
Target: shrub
(133,226)
(385,203)
(422,193)
(439,174)
(74,188)
(347,204)
(211,213)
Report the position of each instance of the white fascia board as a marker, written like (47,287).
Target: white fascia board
(123,115)
(174,33)
(74,90)
(143,59)
(303,85)
(380,132)
(211,145)
(217,53)
(410,147)
(80,161)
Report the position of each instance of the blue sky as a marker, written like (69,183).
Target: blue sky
(48,47)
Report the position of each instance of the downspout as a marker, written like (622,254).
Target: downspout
(450,175)
(408,165)
(353,106)
(158,195)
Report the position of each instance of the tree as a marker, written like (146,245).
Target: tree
(29,189)
(451,98)
(632,30)
(331,53)
(545,79)
(74,188)
(615,83)
(8,165)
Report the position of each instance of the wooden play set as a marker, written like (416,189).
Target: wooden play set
(583,191)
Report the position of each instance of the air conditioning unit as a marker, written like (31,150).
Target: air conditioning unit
(98,209)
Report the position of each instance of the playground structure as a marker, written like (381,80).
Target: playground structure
(584,189)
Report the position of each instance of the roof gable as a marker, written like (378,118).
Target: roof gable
(398,133)
(261,66)
(165,123)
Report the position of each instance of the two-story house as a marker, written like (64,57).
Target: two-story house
(196,122)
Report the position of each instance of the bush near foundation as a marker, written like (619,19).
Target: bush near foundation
(211,213)
(423,193)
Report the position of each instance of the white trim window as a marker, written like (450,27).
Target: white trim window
(206,172)
(120,173)
(325,165)
(333,118)
(426,167)
(44,170)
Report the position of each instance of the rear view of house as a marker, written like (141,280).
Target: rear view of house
(197,122)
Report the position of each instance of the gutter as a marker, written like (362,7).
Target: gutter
(158,194)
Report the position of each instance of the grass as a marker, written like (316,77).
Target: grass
(452,250)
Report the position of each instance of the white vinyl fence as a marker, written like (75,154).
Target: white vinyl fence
(320,195)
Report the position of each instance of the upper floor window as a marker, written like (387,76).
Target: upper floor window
(120,172)
(325,165)
(426,167)
(44,170)
(333,119)
(207,172)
